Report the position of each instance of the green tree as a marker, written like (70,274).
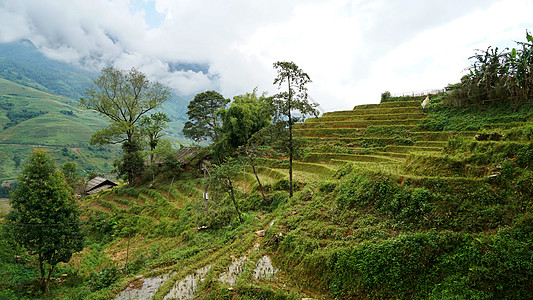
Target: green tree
(44,217)
(246,115)
(294,99)
(205,122)
(72,176)
(151,128)
(123,97)
(221,179)
(252,150)
(131,164)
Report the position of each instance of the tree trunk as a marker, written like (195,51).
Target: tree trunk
(257,177)
(49,275)
(43,283)
(290,140)
(232,194)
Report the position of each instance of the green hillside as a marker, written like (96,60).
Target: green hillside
(33,119)
(392,202)
(22,63)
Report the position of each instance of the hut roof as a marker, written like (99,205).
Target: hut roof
(97,184)
(186,154)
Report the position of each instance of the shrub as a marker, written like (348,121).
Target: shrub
(105,277)
(385,96)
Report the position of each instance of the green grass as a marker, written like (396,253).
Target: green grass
(392,212)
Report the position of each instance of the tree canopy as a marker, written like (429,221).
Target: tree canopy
(44,215)
(123,97)
(205,122)
(247,114)
(293,99)
(151,128)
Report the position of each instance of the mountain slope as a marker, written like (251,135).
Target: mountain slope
(22,63)
(30,118)
(392,202)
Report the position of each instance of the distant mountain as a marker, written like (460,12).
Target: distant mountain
(38,108)
(22,63)
(30,119)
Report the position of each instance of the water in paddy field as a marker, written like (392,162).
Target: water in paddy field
(187,287)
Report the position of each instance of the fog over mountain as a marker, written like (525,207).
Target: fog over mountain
(353,50)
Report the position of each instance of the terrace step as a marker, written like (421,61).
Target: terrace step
(325,157)
(342,131)
(408,149)
(356,123)
(410,103)
(440,144)
(353,117)
(441,136)
(372,111)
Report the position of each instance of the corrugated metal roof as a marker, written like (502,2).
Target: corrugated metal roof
(97,184)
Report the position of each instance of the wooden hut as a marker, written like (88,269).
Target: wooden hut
(97,184)
(192,158)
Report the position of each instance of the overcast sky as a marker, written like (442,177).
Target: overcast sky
(352,50)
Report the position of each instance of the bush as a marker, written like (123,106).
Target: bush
(433,265)
(283,185)
(104,278)
(385,96)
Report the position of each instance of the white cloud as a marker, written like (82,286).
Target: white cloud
(353,50)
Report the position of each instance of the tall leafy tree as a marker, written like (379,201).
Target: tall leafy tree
(292,100)
(205,123)
(123,97)
(246,115)
(44,216)
(152,128)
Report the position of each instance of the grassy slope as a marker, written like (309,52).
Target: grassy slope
(53,130)
(382,211)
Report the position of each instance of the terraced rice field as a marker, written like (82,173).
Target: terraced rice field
(382,137)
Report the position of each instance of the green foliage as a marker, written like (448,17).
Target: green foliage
(124,97)
(104,278)
(401,203)
(247,115)
(131,163)
(16,117)
(473,118)
(498,75)
(294,99)
(205,122)
(151,127)
(221,179)
(284,185)
(44,215)
(385,96)
(422,265)
(72,176)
